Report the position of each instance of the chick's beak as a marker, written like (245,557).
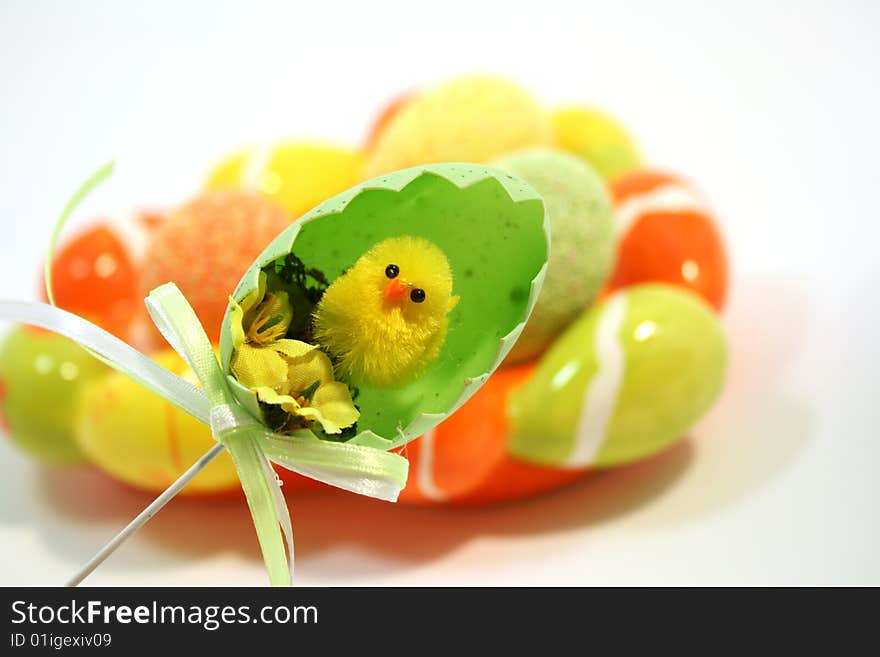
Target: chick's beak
(395,290)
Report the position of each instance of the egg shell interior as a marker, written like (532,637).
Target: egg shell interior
(493,230)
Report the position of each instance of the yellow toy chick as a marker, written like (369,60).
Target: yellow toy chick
(385,319)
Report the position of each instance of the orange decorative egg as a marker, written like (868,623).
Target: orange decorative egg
(465,459)
(512,479)
(95,274)
(666,233)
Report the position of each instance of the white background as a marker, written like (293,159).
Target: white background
(772,108)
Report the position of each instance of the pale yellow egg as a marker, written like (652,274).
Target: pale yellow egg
(469,119)
(140,439)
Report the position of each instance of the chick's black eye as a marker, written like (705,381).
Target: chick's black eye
(391,271)
(417,295)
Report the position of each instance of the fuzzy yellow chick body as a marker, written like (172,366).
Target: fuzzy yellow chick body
(385,319)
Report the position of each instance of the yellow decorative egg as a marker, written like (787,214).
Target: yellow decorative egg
(597,138)
(135,436)
(469,119)
(296,175)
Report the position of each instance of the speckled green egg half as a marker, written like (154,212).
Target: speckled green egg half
(626,380)
(581,241)
(41,376)
(493,229)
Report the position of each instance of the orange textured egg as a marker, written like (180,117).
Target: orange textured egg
(207,245)
(95,274)
(666,233)
(464,460)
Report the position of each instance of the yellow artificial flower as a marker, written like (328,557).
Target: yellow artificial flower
(292,374)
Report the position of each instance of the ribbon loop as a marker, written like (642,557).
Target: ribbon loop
(113,352)
(179,325)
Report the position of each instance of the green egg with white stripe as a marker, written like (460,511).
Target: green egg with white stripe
(625,381)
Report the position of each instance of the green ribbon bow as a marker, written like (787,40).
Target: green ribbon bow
(357,468)
(363,470)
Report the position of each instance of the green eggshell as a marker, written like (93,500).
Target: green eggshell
(492,228)
(626,380)
(581,242)
(41,375)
